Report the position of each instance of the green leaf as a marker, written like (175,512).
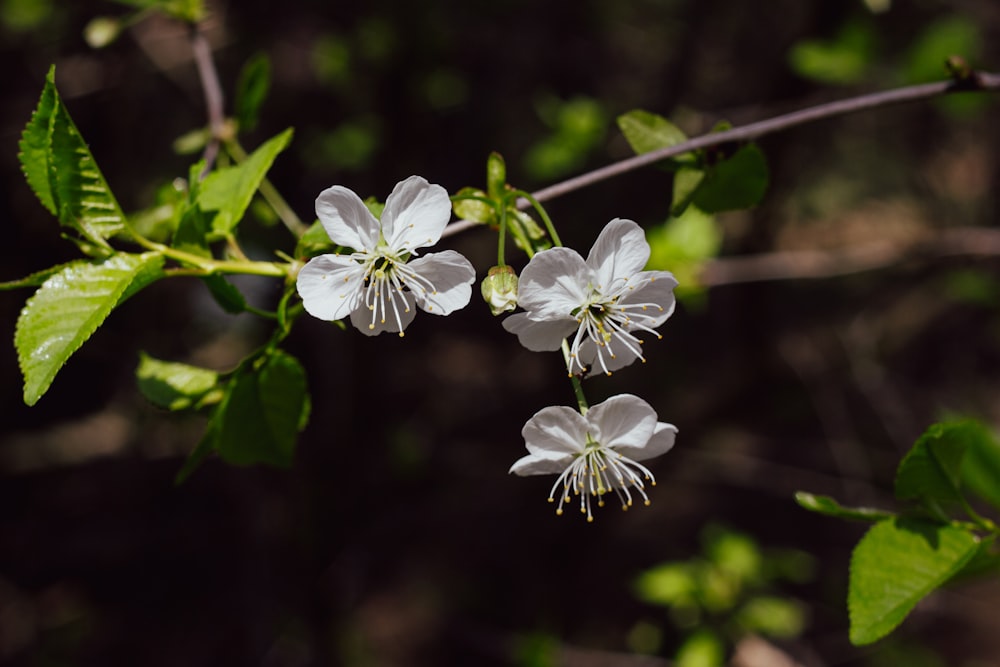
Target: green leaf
(229,191)
(896,564)
(173,385)
(225,294)
(932,468)
(687,180)
(35,279)
(646,131)
(263,411)
(737,182)
(34,145)
(69,307)
(944,37)
(981,466)
(251,90)
(772,616)
(76,191)
(830,507)
(704,648)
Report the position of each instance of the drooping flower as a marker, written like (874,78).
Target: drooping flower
(601,302)
(597,452)
(379,283)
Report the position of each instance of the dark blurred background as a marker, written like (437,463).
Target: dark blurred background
(398,538)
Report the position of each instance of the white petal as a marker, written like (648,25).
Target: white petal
(372,325)
(330,286)
(452,276)
(620,251)
(623,422)
(415,214)
(555,432)
(588,357)
(654,287)
(554,283)
(540,465)
(346,219)
(661,443)
(539,335)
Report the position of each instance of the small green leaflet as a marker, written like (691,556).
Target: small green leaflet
(229,191)
(251,90)
(68,308)
(646,131)
(896,564)
(63,174)
(932,468)
(830,507)
(981,465)
(172,385)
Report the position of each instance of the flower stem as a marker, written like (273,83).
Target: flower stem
(542,213)
(502,235)
(581,400)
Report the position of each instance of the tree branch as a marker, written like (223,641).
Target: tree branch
(865,257)
(975,81)
(978,81)
(209,77)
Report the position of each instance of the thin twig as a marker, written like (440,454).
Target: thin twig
(977,81)
(980,81)
(209,77)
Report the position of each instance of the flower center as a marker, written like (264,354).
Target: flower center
(597,470)
(607,319)
(388,283)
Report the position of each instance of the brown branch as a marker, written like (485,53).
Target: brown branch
(979,81)
(976,81)
(209,77)
(866,257)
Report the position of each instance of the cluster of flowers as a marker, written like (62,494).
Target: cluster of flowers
(594,309)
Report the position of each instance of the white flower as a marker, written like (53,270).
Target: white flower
(595,453)
(604,300)
(378,284)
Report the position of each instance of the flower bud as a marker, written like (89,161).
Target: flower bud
(500,289)
(496,175)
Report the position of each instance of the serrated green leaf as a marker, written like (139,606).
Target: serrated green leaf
(252,89)
(896,564)
(229,191)
(737,182)
(830,507)
(646,131)
(981,466)
(82,196)
(263,412)
(63,173)
(225,294)
(932,468)
(69,307)
(35,279)
(173,385)
(34,145)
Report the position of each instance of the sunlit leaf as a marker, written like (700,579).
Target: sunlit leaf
(646,131)
(896,564)
(68,307)
(830,507)
(229,191)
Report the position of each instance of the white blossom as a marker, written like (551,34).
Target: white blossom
(380,282)
(602,302)
(597,452)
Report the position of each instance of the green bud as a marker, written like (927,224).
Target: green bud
(102,31)
(496,175)
(500,289)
